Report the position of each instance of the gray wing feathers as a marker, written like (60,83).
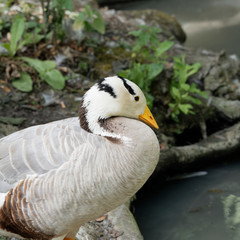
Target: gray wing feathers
(38,149)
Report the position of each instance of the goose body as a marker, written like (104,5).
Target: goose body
(59,175)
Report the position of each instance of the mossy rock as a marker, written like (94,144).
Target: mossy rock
(167,23)
(109,61)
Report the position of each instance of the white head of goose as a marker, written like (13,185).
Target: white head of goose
(111,97)
(59,175)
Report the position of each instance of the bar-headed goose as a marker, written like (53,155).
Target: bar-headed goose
(59,175)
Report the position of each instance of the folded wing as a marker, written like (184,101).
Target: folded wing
(38,149)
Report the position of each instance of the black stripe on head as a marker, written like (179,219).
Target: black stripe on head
(106,88)
(128,87)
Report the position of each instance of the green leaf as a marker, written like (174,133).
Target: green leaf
(55,79)
(185,108)
(31,38)
(91,19)
(24,83)
(48,65)
(136,33)
(149,98)
(203,94)
(137,75)
(176,119)
(194,100)
(194,89)
(175,93)
(124,73)
(143,39)
(31,24)
(193,69)
(154,69)
(12,121)
(35,63)
(172,105)
(98,23)
(163,47)
(7,46)
(68,4)
(181,92)
(89,11)
(47,72)
(185,86)
(40,66)
(16,32)
(62,4)
(78,24)
(154,30)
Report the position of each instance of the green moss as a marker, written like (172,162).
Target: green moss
(105,57)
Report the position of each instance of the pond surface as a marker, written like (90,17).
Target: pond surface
(197,208)
(209,24)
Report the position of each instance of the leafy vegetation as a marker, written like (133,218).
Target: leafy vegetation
(24,83)
(16,33)
(4,23)
(19,35)
(183,94)
(143,75)
(148,54)
(46,69)
(147,45)
(90,19)
(53,15)
(26,30)
(47,72)
(148,58)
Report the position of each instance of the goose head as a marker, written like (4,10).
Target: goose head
(113,97)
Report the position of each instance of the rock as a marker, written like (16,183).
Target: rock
(78,81)
(169,24)
(217,72)
(82,3)
(111,61)
(49,97)
(118,224)
(228,108)
(120,23)
(124,222)
(219,79)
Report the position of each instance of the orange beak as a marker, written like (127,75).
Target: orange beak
(148,118)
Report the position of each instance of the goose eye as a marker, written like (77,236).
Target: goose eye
(136,98)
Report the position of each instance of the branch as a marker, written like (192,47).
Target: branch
(210,150)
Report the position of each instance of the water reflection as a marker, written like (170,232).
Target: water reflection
(199,208)
(194,27)
(231,205)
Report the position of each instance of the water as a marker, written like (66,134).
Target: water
(209,24)
(199,208)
